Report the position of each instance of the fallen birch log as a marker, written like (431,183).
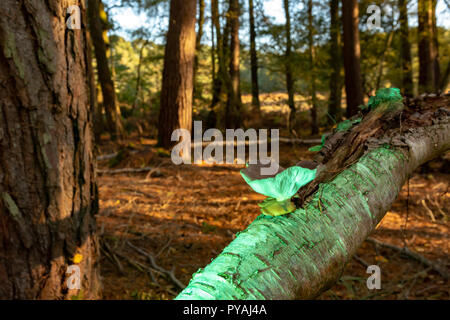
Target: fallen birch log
(301,254)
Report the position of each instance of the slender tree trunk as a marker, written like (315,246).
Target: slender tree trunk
(445,78)
(218,79)
(314,126)
(427,50)
(176,93)
(435,57)
(253,58)
(48,194)
(352,55)
(334,105)
(138,76)
(405,49)
(95,110)
(303,253)
(200,22)
(288,65)
(97,24)
(386,48)
(233,107)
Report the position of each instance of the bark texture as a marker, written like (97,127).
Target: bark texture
(299,255)
(352,55)
(177,84)
(48,195)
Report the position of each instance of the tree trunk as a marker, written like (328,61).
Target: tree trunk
(352,55)
(48,194)
(288,66)
(197,93)
(334,104)
(405,50)
(301,254)
(253,58)
(428,56)
(314,126)
(97,24)
(233,107)
(176,93)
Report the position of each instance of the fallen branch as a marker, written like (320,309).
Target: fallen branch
(151,259)
(441,270)
(112,257)
(125,170)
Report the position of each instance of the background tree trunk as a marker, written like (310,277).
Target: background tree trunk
(177,84)
(97,24)
(314,126)
(435,57)
(253,58)
(233,107)
(405,49)
(352,55)
(48,194)
(334,104)
(139,76)
(95,110)
(288,66)
(428,56)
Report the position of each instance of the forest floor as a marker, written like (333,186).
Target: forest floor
(185,215)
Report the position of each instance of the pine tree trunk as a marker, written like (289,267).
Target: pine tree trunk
(253,57)
(177,84)
(99,38)
(334,104)
(405,50)
(48,194)
(352,55)
(233,107)
(288,66)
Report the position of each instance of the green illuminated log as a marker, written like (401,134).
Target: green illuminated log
(299,255)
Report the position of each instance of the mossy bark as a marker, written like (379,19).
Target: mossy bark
(299,255)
